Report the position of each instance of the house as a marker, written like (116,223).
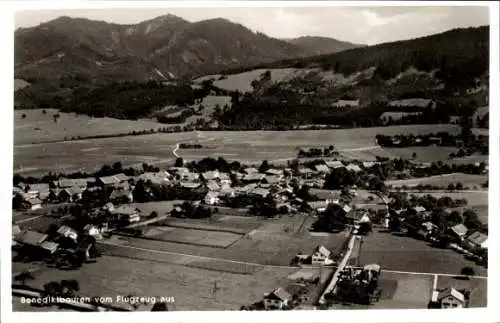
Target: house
(126,213)
(478,239)
(73,193)
(113,180)
(33,203)
(429,227)
(49,247)
(253,177)
(369,164)
(450,298)
(213,186)
(66,183)
(108,207)
(189,185)
(322,168)
(334,164)
(68,232)
(251,170)
(262,192)
(211,175)
(353,168)
(212,198)
(459,231)
(274,172)
(317,206)
(323,194)
(304,171)
(320,255)
(227,191)
(34,190)
(272,179)
(31,238)
(346,103)
(277,299)
(159,178)
(356,217)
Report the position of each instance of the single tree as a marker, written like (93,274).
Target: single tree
(467,271)
(179,162)
(23,116)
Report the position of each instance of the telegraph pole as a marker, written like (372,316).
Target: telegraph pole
(214,290)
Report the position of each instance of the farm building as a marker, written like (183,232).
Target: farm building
(274,172)
(159,178)
(69,194)
(253,177)
(49,246)
(478,239)
(356,217)
(31,238)
(34,190)
(320,255)
(211,175)
(189,185)
(421,103)
(33,203)
(258,191)
(251,170)
(317,206)
(353,168)
(70,182)
(126,213)
(321,168)
(213,186)
(277,299)
(334,164)
(346,103)
(272,179)
(113,180)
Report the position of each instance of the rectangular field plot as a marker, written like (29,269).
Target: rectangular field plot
(226,267)
(404,291)
(211,225)
(468,180)
(199,237)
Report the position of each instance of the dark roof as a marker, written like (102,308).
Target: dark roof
(459,229)
(477,238)
(31,238)
(280,294)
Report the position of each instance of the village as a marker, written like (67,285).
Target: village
(66,222)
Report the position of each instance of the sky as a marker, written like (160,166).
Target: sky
(362,25)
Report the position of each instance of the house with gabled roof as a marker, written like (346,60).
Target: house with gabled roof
(112,180)
(68,232)
(73,193)
(212,198)
(71,182)
(320,255)
(211,175)
(450,298)
(322,168)
(274,172)
(31,238)
(334,164)
(250,170)
(458,231)
(49,247)
(353,168)
(33,203)
(478,239)
(277,299)
(126,213)
(253,177)
(212,185)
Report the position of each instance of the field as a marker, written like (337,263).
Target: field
(397,115)
(467,180)
(191,287)
(200,237)
(274,242)
(244,146)
(38,127)
(407,254)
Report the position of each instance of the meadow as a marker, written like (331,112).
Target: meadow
(39,127)
(244,146)
(468,180)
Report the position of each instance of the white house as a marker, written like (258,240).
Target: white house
(34,203)
(277,299)
(320,255)
(451,298)
(478,239)
(68,232)
(212,198)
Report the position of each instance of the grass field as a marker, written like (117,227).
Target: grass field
(244,146)
(407,254)
(194,236)
(40,127)
(275,242)
(191,287)
(467,180)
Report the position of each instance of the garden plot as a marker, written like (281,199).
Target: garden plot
(198,237)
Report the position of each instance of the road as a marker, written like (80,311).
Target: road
(175,150)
